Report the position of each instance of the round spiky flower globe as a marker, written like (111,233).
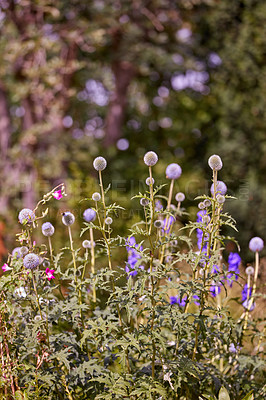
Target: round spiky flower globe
(256,244)
(99,163)
(215,162)
(173,171)
(207,203)
(150,158)
(16,252)
(26,216)
(144,202)
(221,188)
(89,215)
(24,250)
(180,197)
(201,205)
(158,224)
(68,218)
(86,244)
(31,261)
(108,221)
(250,270)
(47,229)
(149,180)
(96,196)
(220,199)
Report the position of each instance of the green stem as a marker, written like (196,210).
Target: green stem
(102,226)
(40,311)
(167,217)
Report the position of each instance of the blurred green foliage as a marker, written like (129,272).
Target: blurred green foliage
(185,79)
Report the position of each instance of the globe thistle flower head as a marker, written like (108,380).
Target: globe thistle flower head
(46,263)
(250,270)
(158,224)
(26,216)
(89,215)
(215,162)
(47,229)
(108,221)
(256,244)
(173,171)
(150,158)
(96,196)
(68,218)
(221,188)
(87,244)
(220,199)
(99,163)
(148,181)
(201,205)
(207,203)
(16,252)
(180,197)
(24,250)
(144,202)
(206,219)
(31,261)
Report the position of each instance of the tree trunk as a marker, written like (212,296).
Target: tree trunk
(123,74)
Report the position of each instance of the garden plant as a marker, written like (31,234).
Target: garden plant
(75,324)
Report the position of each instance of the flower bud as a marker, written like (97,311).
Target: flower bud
(99,163)
(96,196)
(173,171)
(150,158)
(221,188)
(47,229)
(144,202)
(108,221)
(148,181)
(256,244)
(68,218)
(220,199)
(207,203)
(158,223)
(180,197)
(89,215)
(201,205)
(215,162)
(250,270)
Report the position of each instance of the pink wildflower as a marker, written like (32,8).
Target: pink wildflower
(5,267)
(49,273)
(58,194)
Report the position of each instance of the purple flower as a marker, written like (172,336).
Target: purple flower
(167,223)
(215,269)
(173,171)
(200,214)
(232,348)
(215,289)
(196,300)
(221,188)
(158,205)
(182,302)
(173,300)
(89,215)
(256,244)
(133,256)
(246,295)
(234,261)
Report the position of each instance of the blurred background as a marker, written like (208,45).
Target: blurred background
(117,78)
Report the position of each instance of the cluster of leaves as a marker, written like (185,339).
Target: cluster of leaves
(101,333)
